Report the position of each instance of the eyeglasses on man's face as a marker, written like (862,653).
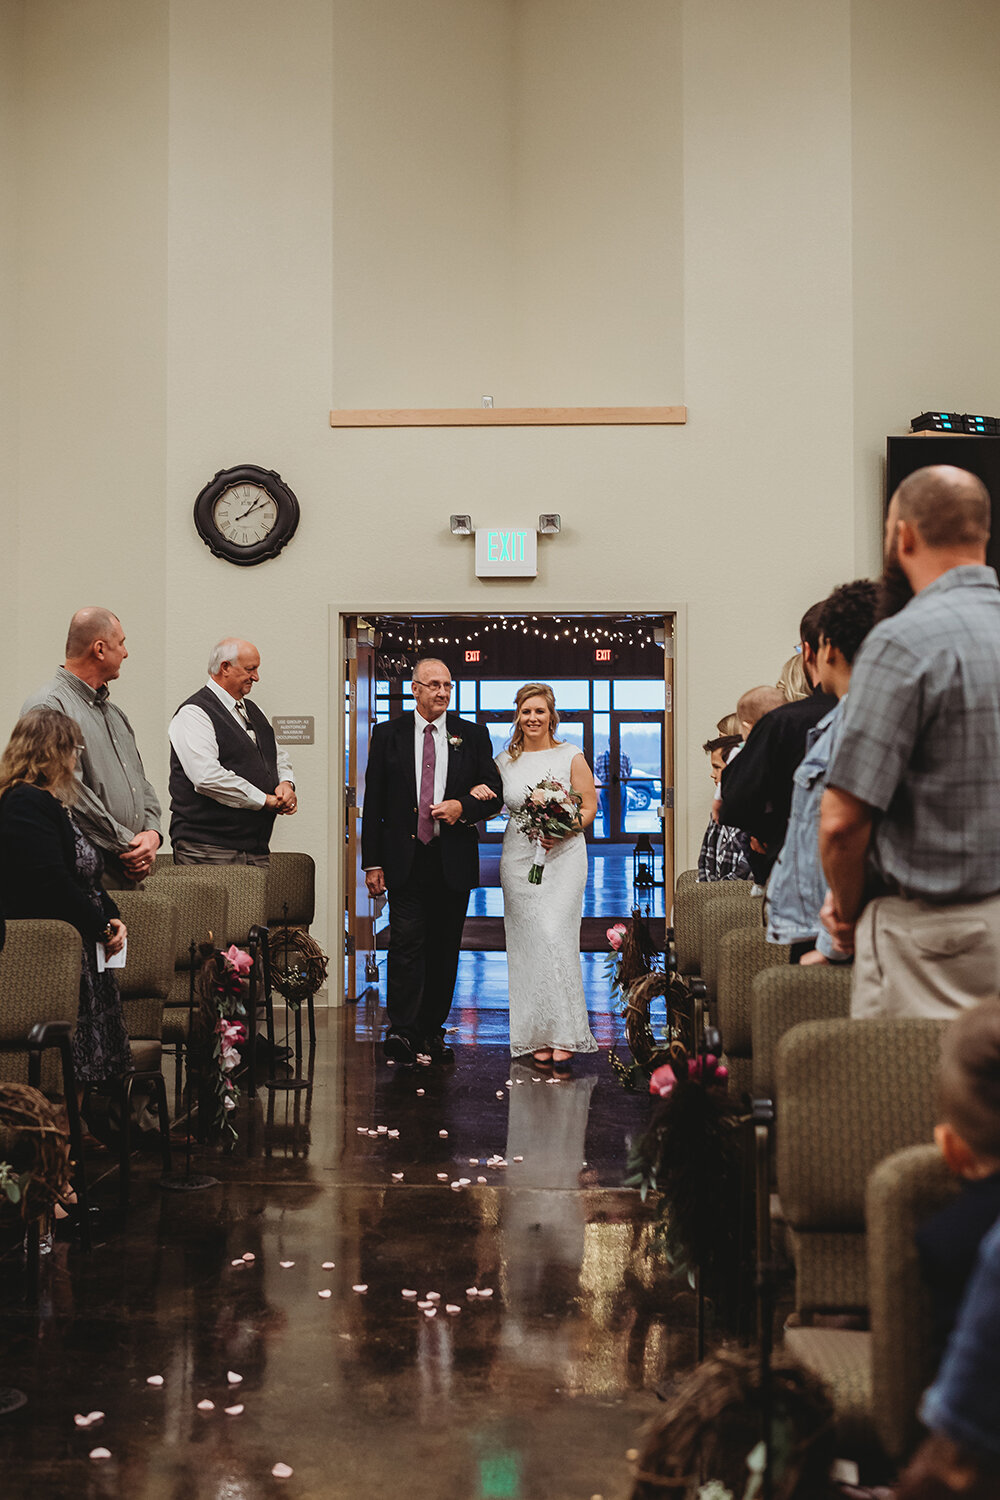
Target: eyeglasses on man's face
(435,687)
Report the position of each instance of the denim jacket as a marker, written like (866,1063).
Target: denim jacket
(962,1402)
(797,887)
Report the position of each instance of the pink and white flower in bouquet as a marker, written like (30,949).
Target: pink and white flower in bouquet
(550,811)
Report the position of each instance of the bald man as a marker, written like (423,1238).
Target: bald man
(116,805)
(910,821)
(229,779)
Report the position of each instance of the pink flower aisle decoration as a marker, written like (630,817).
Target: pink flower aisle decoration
(550,811)
(225,990)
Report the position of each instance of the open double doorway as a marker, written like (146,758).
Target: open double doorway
(613,681)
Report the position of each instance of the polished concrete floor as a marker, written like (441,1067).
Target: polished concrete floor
(535,1390)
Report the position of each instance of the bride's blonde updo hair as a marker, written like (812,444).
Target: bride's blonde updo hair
(531,690)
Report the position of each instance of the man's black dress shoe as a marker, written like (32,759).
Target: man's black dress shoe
(399,1048)
(437,1049)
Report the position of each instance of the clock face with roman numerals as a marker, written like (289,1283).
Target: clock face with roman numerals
(246,515)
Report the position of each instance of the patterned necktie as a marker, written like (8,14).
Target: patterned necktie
(425,823)
(245,718)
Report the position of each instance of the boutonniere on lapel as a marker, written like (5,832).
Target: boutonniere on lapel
(455,741)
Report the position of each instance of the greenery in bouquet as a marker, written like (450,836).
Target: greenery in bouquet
(551,811)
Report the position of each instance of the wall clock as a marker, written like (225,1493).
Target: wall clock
(246,514)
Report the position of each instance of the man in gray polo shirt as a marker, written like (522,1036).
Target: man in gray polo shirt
(910,823)
(116,807)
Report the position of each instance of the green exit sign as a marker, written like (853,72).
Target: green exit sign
(506,552)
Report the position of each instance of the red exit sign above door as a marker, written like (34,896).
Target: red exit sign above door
(602,655)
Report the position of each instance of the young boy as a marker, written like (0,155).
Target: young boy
(723,853)
(968,1138)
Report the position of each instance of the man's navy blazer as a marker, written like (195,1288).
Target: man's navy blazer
(389,820)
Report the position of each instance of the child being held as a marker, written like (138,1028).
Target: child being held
(969,1140)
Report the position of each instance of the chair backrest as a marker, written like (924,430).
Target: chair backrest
(153,924)
(743,953)
(850,1094)
(291,889)
(686,922)
(721,914)
(902,1191)
(39,981)
(246,897)
(781,998)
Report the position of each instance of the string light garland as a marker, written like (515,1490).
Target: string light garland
(566,629)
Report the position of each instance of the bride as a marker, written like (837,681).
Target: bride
(548,1011)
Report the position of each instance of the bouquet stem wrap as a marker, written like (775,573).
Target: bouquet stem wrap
(538,865)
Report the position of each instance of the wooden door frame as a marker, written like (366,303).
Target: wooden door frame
(512,603)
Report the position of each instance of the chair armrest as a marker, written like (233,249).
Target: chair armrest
(49,1033)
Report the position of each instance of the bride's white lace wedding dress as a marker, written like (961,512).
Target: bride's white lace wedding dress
(542,922)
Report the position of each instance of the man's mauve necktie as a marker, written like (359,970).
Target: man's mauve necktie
(425,823)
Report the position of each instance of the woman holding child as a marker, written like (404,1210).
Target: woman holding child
(548,1010)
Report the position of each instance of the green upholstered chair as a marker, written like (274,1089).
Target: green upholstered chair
(731,906)
(39,1003)
(903,1191)
(202,906)
(783,997)
(685,923)
(743,954)
(144,984)
(850,1093)
(291,890)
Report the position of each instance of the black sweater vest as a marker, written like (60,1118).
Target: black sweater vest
(198,819)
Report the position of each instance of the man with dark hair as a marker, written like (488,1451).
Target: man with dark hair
(116,807)
(724,851)
(757,785)
(910,824)
(797,886)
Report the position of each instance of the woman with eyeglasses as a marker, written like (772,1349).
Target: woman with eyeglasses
(49,869)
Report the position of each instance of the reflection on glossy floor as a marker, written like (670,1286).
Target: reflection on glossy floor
(534,1391)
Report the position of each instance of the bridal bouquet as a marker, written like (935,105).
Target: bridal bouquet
(550,811)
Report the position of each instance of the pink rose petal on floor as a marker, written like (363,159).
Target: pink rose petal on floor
(282,1471)
(154,1379)
(233,1378)
(407,1292)
(329,1265)
(249,1256)
(286,1265)
(99,1453)
(234,1411)
(361,1286)
(206,1405)
(452,1307)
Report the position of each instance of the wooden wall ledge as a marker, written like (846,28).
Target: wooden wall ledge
(513,416)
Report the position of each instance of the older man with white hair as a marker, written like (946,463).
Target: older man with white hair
(229,778)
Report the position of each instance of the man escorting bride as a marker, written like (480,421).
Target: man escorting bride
(548,1010)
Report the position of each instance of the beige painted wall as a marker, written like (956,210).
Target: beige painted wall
(11,18)
(184,309)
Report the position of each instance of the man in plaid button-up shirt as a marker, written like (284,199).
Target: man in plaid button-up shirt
(911,816)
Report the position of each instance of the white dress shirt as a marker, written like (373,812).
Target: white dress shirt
(440,729)
(192,736)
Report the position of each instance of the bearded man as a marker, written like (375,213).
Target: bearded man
(910,822)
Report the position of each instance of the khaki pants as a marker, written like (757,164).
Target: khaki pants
(915,959)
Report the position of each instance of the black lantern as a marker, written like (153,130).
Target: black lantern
(645,874)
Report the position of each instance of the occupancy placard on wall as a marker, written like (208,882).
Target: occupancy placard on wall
(506,553)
